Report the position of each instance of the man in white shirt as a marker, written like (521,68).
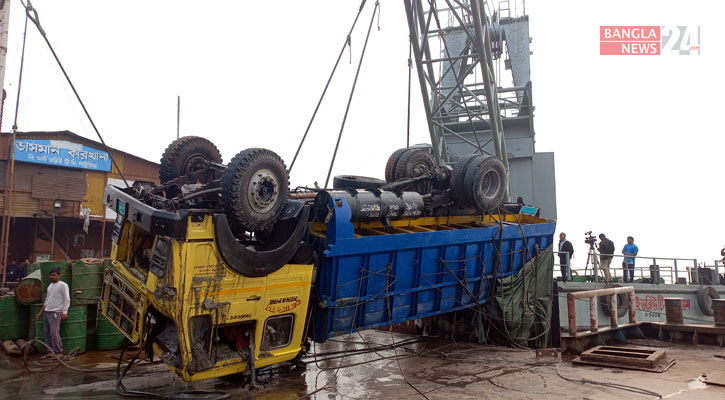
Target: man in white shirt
(55,309)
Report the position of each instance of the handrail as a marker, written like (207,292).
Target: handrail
(593,313)
(672,271)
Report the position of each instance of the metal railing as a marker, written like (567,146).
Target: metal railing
(668,269)
(593,295)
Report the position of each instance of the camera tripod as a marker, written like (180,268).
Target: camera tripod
(592,257)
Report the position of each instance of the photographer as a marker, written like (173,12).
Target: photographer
(606,250)
(565,246)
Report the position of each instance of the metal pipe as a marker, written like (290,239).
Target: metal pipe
(512,89)
(52,239)
(632,308)
(613,308)
(464,56)
(592,295)
(4,26)
(571,306)
(593,314)
(103,231)
(601,292)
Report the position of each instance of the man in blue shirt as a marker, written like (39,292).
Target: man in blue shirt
(630,249)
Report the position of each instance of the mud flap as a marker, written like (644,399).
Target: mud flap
(255,263)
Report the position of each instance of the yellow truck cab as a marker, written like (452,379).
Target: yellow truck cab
(172,290)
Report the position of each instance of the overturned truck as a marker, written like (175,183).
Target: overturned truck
(223,268)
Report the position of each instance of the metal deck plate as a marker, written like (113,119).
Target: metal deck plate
(626,357)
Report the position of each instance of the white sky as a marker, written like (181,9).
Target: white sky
(638,140)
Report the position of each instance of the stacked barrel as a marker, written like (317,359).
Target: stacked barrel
(84,329)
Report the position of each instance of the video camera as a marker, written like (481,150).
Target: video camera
(589,238)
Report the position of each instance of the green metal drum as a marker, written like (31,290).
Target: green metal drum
(107,336)
(29,289)
(13,319)
(87,276)
(73,329)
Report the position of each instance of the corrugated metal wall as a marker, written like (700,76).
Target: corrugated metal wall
(38,186)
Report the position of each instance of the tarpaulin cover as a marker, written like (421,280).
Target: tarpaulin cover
(521,308)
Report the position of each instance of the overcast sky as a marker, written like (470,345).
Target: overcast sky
(638,140)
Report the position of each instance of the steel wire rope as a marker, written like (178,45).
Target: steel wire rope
(481,310)
(327,85)
(36,21)
(57,360)
(512,341)
(611,385)
(352,325)
(536,275)
(10,164)
(410,75)
(20,75)
(524,300)
(395,349)
(352,92)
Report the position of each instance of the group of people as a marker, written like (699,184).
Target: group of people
(16,271)
(606,253)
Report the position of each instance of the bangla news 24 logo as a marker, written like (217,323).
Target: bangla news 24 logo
(649,40)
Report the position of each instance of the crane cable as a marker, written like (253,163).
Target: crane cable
(352,92)
(32,14)
(327,85)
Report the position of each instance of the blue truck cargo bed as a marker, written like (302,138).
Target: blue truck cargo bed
(382,279)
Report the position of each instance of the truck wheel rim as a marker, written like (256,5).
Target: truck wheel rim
(263,191)
(194,163)
(491,184)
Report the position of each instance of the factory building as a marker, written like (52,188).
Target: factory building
(55,203)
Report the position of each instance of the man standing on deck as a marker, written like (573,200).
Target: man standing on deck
(565,246)
(630,249)
(55,309)
(606,249)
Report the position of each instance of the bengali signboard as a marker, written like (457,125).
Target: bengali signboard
(61,153)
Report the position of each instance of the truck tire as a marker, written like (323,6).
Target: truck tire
(705,296)
(413,163)
(254,190)
(185,155)
(485,182)
(457,184)
(622,304)
(392,163)
(356,182)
